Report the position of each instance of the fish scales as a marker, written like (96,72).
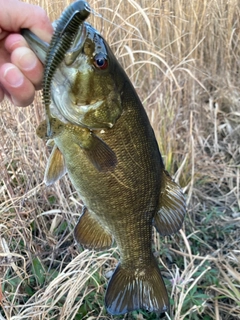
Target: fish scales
(104,141)
(134,188)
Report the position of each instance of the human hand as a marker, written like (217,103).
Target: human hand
(20,70)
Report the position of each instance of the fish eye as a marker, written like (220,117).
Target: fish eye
(100,61)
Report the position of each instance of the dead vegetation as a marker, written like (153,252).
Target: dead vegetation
(183,58)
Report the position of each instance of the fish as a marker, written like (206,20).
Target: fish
(104,141)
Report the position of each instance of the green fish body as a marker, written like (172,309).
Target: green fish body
(104,141)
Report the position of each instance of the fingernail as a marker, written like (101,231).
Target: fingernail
(27,61)
(13,77)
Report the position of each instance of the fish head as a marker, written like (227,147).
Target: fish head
(84,89)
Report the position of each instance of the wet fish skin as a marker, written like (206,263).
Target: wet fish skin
(119,174)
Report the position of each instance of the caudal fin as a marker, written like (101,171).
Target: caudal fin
(137,289)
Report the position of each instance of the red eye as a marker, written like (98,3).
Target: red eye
(100,61)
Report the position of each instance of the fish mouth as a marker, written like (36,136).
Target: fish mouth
(77,46)
(40,47)
(63,77)
(75,94)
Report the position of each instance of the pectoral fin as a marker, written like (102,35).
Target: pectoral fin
(90,233)
(56,168)
(172,207)
(96,150)
(101,155)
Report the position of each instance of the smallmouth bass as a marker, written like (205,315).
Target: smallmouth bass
(104,141)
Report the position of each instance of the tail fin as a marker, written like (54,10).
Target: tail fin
(133,290)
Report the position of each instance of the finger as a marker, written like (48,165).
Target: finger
(1,94)
(15,15)
(14,41)
(20,88)
(3,34)
(29,65)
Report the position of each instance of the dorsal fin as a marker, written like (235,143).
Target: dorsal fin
(172,207)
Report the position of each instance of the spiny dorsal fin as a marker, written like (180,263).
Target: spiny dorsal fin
(90,233)
(101,155)
(133,289)
(170,216)
(55,167)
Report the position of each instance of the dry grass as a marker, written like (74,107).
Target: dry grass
(183,58)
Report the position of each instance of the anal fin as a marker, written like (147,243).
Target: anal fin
(90,233)
(172,207)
